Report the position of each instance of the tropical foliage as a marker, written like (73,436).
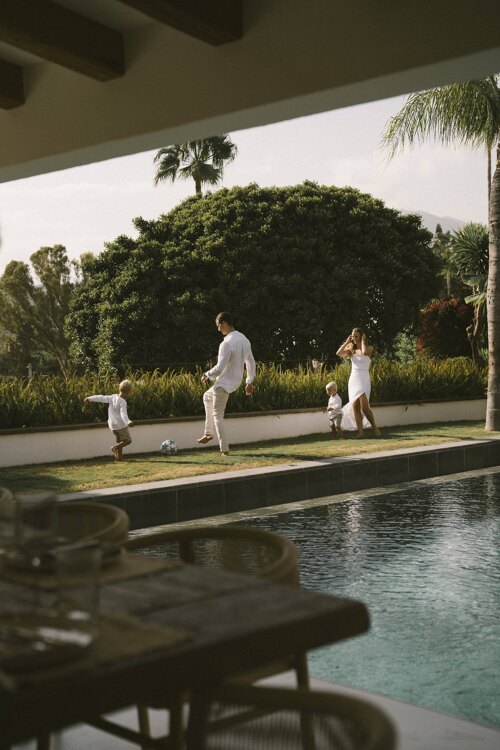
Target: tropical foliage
(443,329)
(464,113)
(442,246)
(203,161)
(298,266)
(33,309)
(469,256)
(46,400)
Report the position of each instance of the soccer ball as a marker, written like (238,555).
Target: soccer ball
(168,448)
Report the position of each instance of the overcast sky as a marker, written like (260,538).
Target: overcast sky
(84,207)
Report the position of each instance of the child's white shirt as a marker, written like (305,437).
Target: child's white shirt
(117,410)
(335,403)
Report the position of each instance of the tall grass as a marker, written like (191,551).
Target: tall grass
(51,400)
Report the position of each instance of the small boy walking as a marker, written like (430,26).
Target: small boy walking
(118,420)
(334,409)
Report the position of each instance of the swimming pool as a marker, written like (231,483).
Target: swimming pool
(425,559)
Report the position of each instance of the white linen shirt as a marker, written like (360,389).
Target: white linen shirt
(235,353)
(117,410)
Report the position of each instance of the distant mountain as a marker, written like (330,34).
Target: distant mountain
(448,223)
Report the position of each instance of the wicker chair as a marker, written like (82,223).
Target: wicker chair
(284,719)
(81,521)
(241,550)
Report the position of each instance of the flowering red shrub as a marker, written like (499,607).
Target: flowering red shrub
(442,329)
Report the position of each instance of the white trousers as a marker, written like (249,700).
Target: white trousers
(214,401)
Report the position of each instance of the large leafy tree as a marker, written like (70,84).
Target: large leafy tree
(203,161)
(464,113)
(298,266)
(33,309)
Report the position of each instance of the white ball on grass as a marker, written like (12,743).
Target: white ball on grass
(168,448)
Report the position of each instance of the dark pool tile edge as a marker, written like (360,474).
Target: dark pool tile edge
(219,494)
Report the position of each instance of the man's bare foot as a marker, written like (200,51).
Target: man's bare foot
(116,453)
(376,432)
(205,439)
(359,436)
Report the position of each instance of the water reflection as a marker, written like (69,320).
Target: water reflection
(425,560)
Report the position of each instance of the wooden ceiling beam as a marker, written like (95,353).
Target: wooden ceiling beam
(212,21)
(11,85)
(62,36)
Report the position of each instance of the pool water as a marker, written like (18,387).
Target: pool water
(425,559)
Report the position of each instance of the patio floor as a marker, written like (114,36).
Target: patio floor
(418,728)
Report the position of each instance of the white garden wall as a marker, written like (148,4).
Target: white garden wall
(34,446)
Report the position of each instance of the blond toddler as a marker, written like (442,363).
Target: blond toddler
(118,420)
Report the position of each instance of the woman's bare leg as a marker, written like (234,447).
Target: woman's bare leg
(358,416)
(365,406)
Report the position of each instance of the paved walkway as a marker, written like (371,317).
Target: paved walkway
(418,728)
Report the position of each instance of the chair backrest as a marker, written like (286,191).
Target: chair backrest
(7,504)
(80,521)
(235,548)
(292,720)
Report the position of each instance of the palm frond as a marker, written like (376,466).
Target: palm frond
(205,173)
(463,113)
(469,249)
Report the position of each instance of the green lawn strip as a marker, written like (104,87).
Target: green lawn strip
(73,476)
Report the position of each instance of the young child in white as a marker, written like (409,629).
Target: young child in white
(334,409)
(118,420)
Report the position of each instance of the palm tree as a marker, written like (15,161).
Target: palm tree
(468,114)
(202,160)
(469,257)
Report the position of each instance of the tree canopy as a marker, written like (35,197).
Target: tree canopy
(298,266)
(33,310)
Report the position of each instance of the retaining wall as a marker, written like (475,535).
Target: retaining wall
(48,445)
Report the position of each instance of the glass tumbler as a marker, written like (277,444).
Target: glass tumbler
(35,527)
(77,569)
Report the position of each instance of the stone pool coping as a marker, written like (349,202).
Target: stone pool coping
(180,500)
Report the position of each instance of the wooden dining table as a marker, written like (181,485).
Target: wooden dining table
(168,626)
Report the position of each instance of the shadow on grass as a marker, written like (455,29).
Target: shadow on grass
(35,484)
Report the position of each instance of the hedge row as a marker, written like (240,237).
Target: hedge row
(51,400)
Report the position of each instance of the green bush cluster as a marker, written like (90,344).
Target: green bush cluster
(299,266)
(52,400)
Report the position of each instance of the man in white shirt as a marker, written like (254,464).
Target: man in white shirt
(235,354)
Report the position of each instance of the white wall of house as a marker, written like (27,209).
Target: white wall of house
(58,444)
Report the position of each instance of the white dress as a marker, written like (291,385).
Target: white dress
(359,382)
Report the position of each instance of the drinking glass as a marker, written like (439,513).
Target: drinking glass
(7,519)
(35,527)
(77,570)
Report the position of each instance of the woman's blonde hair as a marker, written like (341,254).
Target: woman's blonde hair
(361,333)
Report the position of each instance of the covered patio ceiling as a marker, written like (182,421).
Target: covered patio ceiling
(86,80)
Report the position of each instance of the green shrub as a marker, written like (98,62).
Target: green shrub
(443,328)
(51,400)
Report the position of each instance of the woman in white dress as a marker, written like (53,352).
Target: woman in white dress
(357,414)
